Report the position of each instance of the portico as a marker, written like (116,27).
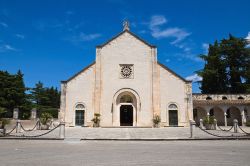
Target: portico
(225,108)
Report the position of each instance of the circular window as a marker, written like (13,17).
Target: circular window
(126,71)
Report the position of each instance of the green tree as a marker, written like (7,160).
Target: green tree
(12,91)
(214,72)
(227,67)
(46,99)
(236,56)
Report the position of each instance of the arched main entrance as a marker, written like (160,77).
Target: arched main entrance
(126,115)
(125,106)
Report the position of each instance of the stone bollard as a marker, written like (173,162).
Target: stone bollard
(215,124)
(18,126)
(38,127)
(2,132)
(201,124)
(192,125)
(15,113)
(235,125)
(62,130)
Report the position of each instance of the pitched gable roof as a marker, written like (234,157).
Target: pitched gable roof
(137,37)
(172,72)
(84,69)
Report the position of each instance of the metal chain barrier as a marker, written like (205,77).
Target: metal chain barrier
(216,134)
(29,129)
(32,136)
(7,133)
(243,131)
(226,130)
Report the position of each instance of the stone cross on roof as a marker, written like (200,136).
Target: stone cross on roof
(126,25)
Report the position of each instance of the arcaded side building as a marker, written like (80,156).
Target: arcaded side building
(128,86)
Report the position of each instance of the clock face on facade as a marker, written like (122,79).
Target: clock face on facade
(126,71)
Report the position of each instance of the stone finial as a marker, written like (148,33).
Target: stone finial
(15,113)
(125,25)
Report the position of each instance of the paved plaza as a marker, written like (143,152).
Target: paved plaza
(114,153)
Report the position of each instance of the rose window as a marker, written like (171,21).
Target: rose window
(126,71)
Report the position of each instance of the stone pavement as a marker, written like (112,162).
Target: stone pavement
(124,153)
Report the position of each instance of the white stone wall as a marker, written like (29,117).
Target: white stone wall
(80,90)
(173,91)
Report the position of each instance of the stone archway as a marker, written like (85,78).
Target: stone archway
(233,113)
(218,114)
(126,104)
(199,113)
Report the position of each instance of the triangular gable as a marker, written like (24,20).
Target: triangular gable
(172,72)
(138,38)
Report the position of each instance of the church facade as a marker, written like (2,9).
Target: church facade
(127,86)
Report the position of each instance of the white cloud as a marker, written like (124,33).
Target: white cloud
(157,20)
(248,39)
(205,47)
(248,36)
(194,78)
(4,24)
(83,37)
(89,37)
(20,36)
(7,47)
(178,33)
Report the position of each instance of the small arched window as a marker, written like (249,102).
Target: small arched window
(80,107)
(224,98)
(126,99)
(209,98)
(172,107)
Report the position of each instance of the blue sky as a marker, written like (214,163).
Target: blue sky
(50,40)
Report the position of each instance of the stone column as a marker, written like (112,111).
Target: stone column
(208,110)
(243,118)
(225,118)
(33,114)
(15,113)
(61,114)
(224,108)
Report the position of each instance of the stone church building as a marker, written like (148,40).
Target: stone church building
(128,86)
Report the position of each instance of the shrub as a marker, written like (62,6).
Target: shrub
(208,120)
(45,118)
(156,120)
(96,120)
(52,111)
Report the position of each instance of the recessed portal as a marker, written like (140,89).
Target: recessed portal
(79,119)
(173,118)
(126,115)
